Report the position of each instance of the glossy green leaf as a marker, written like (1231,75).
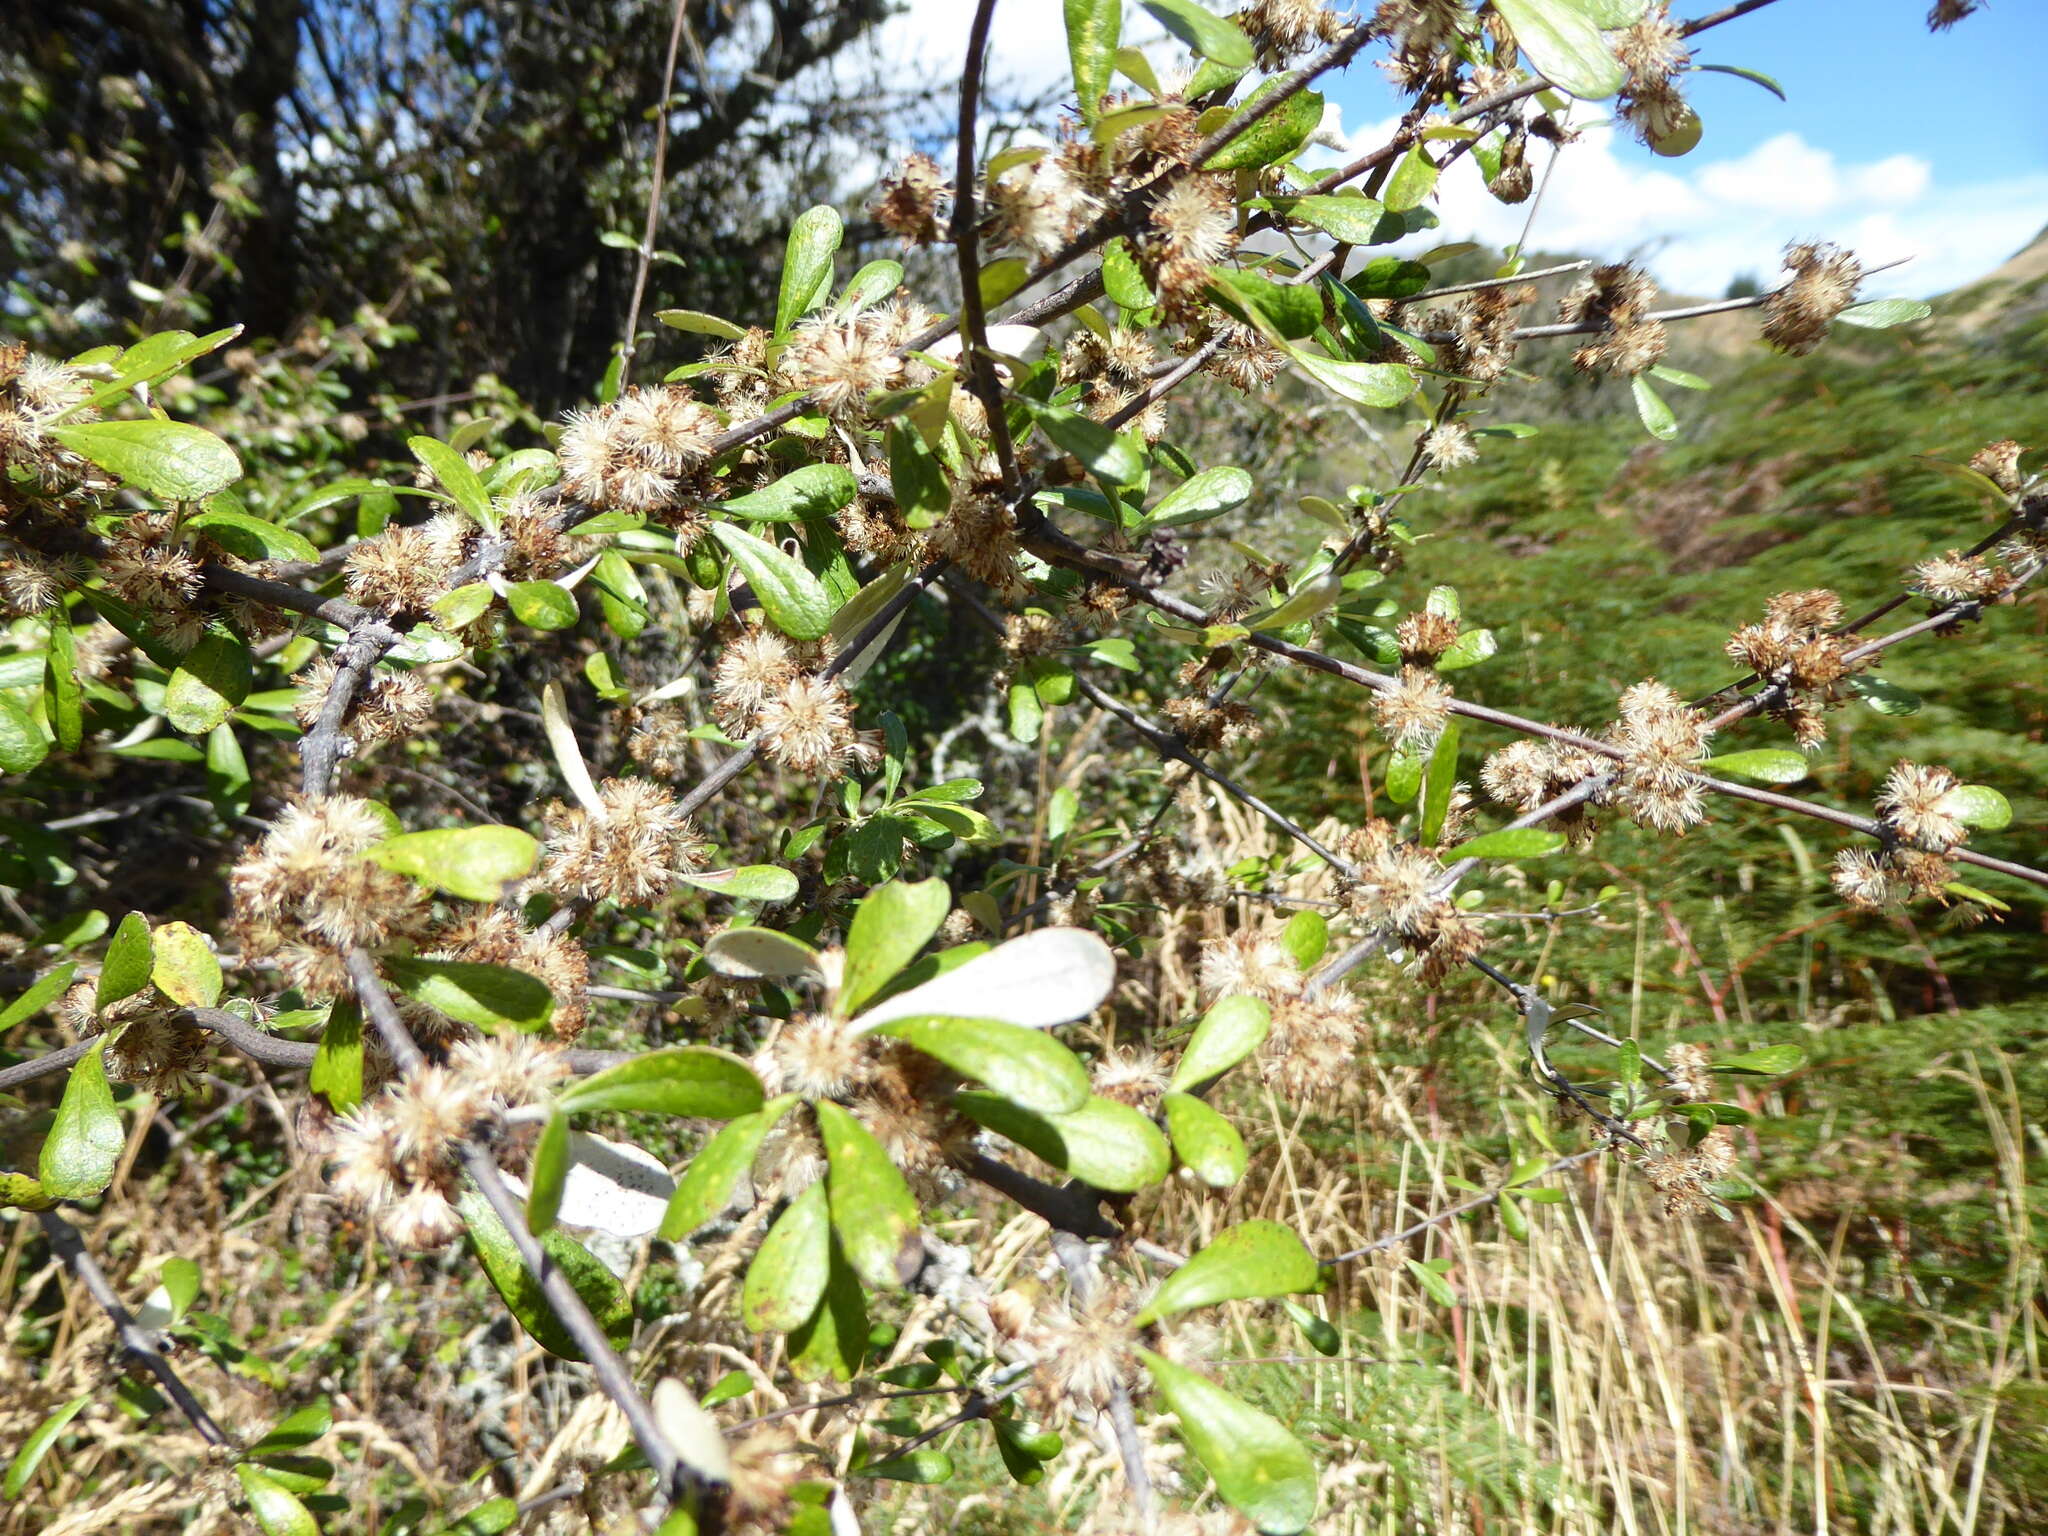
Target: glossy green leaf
(541,604)
(296,1430)
(465,605)
(492,997)
(834,1339)
(1656,415)
(787,1279)
(37,1446)
(1253,1258)
(1230,1031)
(1260,1469)
(1277,136)
(1201,496)
(1116,457)
(750,882)
(46,989)
(873,1211)
(1978,805)
(700,324)
(1881,314)
(1770,1060)
(209,684)
(62,692)
(1204,31)
(1371,384)
(1027,1066)
(1122,278)
(1204,1141)
(926,1465)
(707,1185)
(85,1140)
(807,265)
(1563,43)
(1092,28)
(475,863)
(157,357)
(251,538)
(1433,1282)
(1311,597)
(754,954)
(276,1508)
(1468,650)
(170,460)
(691,1080)
(458,478)
(22,742)
(1887,698)
(183,966)
(816,490)
(1440,781)
(599,1289)
(1353,220)
(1764,765)
(337,1072)
(1509,843)
(1412,182)
(131,956)
(889,927)
(1104,1143)
(1682,137)
(795,601)
(1287,310)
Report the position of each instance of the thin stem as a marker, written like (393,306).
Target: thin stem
(981,371)
(668,75)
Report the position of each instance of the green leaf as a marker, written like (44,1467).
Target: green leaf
(699,323)
(888,929)
(1978,805)
(45,991)
(209,684)
(463,606)
(1389,277)
(541,604)
(1657,418)
(183,966)
(807,267)
(929,1465)
(1253,1258)
(1204,31)
(707,1184)
(752,954)
(816,490)
(1412,182)
(1755,76)
(1202,496)
(22,742)
(251,538)
(1765,765)
(549,1174)
(296,1430)
(130,958)
(1885,697)
(1881,314)
(85,1139)
(1116,457)
(794,600)
(275,1507)
(1122,278)
(157,357)
(597,1286)
(1770,1060)
(749,882)
(1442,779)
(873,281)
(1509,843)
(1204,1141)
(1353,220)
(1260,1469)
(1369,384)
(872,1208)
(691,1080)
(492,997)
(1563,43)
(1230,1031)
(493,1517)
(38,1444)
(1092,27)
(1026,1066)
(922,494)
(786,1281)
(1468,650)
(1435,1284)
(170,460)
(61,686)
(1277,136)
(337,1072)
(1288,310)
(1104,1143)
(475,863)
(457,478)
(1312,597)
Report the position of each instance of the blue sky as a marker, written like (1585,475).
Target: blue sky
(1895,141)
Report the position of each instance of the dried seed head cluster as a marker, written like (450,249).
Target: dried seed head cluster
(1039,205)
(392,705)
(637,454)
(1250,961)
(1924,824)
(1824,279)
(1412,713)
(1796,646)
(1427,38)
(148,565)
(1135,1076)
(402,570)
(1999,463)
(1283,30)
(1478,331)
(1079,1353)
(1527,773)
(497,937)
(1661,738)
(1690,1081)
(1654,53)
(305,894)
(807,727)
(1512,181)
(1953,578)
(1244,359)
(1686,1179)
(631,854)
(911,195)
(1915,804)
(841,361)
(1448,446)
(1944,14)
(1311,1050)
(979,535)
(1396,888)
(1192,226)
(35,392)
(1209,727)
(149,1045)
(1617,298)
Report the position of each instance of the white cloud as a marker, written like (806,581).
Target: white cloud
(1697,223)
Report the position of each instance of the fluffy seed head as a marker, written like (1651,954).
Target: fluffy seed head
(1912,804)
